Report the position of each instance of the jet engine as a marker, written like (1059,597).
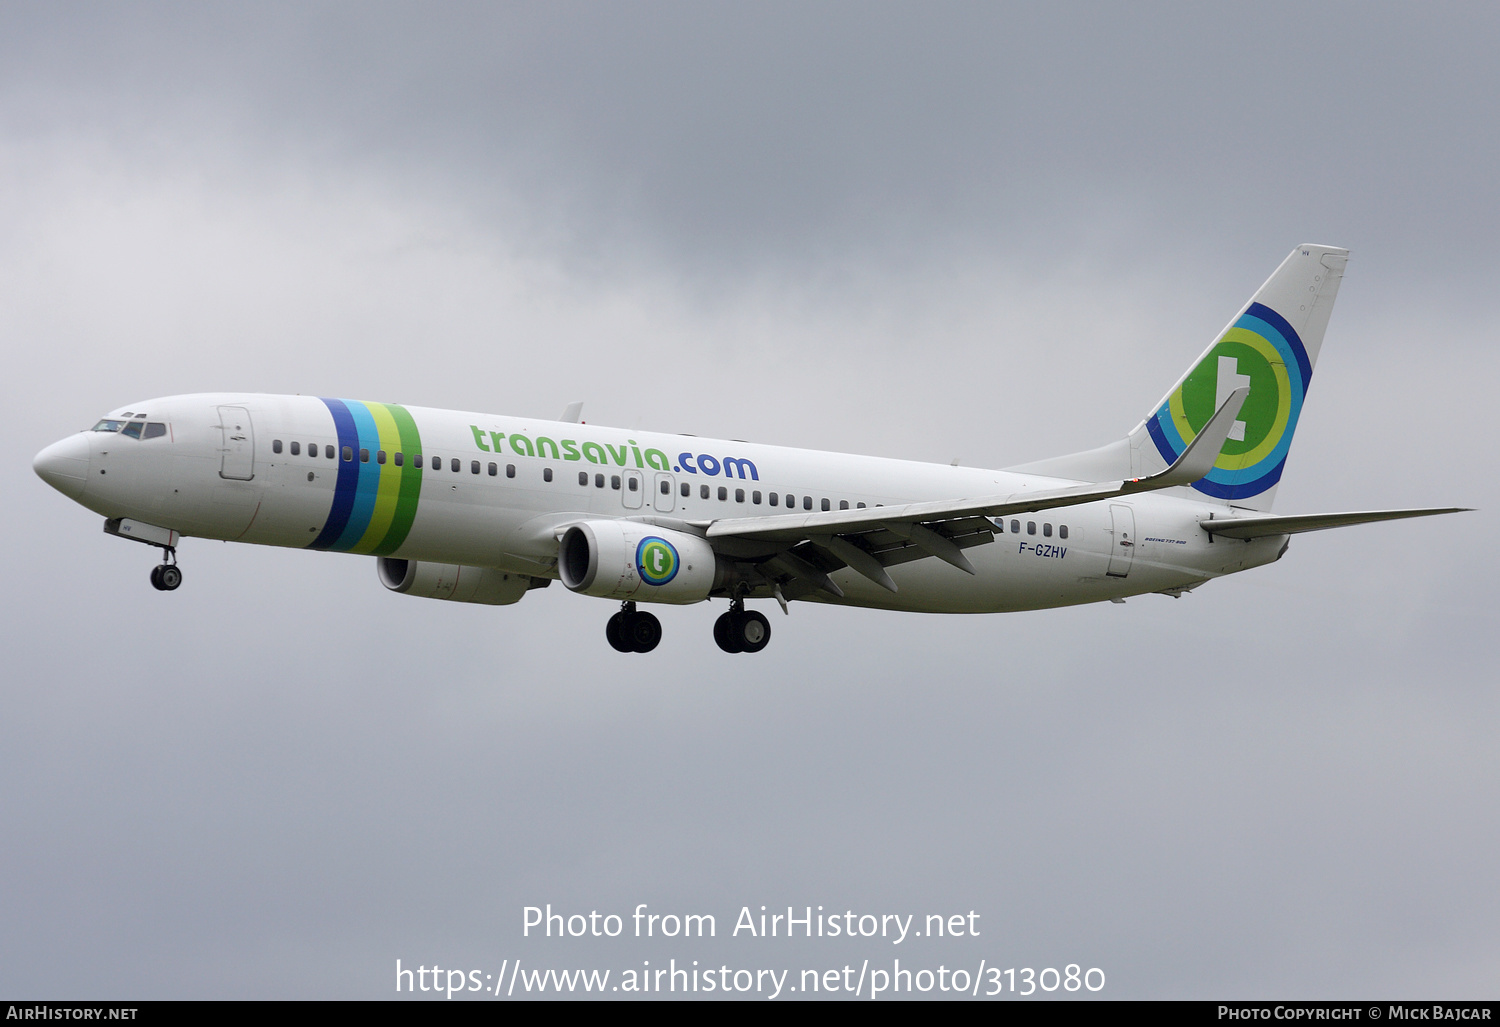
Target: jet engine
(629,560)
(456,584)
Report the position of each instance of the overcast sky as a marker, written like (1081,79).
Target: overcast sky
(984,231)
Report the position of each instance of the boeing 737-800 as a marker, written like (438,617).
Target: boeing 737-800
(481,508)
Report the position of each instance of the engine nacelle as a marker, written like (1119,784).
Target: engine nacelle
(630,560)
(456,584)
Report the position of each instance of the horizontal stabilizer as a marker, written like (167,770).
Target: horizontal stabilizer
(1260,527)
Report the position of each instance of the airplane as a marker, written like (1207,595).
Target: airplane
(483,508)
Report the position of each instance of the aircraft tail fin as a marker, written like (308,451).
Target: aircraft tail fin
(1271,346)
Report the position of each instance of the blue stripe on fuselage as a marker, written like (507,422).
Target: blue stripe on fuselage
(368,486)
(348,477)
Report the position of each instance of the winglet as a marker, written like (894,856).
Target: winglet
(574,410)
(1201,454)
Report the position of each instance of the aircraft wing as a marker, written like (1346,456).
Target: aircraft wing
(1261,526)
(807,546)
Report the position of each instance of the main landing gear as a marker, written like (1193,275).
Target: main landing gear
(632,632)
(167,576)
(741,630)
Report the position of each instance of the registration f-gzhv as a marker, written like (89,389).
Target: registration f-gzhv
(481,508)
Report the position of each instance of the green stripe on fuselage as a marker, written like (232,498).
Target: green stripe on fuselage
(411,482)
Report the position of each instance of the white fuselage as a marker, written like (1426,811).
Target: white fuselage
(495,491)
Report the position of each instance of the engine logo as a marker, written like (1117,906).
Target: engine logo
(656,559)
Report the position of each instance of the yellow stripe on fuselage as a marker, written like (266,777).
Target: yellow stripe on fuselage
(390,480)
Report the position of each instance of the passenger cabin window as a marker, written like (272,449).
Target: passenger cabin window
(456,464)
(510,470)
(598,481)
(723,493)
(755,498)
(380,456)
(348,454)
(739,495)
(1031,527)
(1062,531)
(773,497)
(843,504)
(1015,527)
(276,445)
(473,467)
(635,484)
(397,457)
(666,487)
(296,449)
(1046,530)
(861,506)
(825,504)
(546,474)
(702,491)
(133,429)
(494,469)
(364,456)
(614,482)
(807,502)
(154,430)
(583,477)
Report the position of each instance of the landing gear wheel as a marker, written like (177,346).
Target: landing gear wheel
(754,631)
(156,578)
(166,577)
(615,632)
(727,633)
(632,632)
(644,631)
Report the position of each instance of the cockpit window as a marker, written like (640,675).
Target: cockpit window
(154,430)
(108,425)
(133,429)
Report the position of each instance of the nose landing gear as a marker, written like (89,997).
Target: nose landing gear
(741,630)
(632,632)
(167,576)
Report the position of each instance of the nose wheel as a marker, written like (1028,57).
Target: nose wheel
(632,632)
(167,576)
(741,630)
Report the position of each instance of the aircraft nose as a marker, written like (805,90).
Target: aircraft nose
(65,465)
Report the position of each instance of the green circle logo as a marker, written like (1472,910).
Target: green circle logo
(1261,351)
(1236,362)
(656,560)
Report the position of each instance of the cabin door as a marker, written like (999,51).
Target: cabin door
(1122,545)
(634,492)
(663,497)
(239,444)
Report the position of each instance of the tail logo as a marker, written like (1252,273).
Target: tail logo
(656,559)
(1260,350)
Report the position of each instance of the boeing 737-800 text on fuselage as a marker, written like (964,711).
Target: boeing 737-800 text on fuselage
(481,508)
